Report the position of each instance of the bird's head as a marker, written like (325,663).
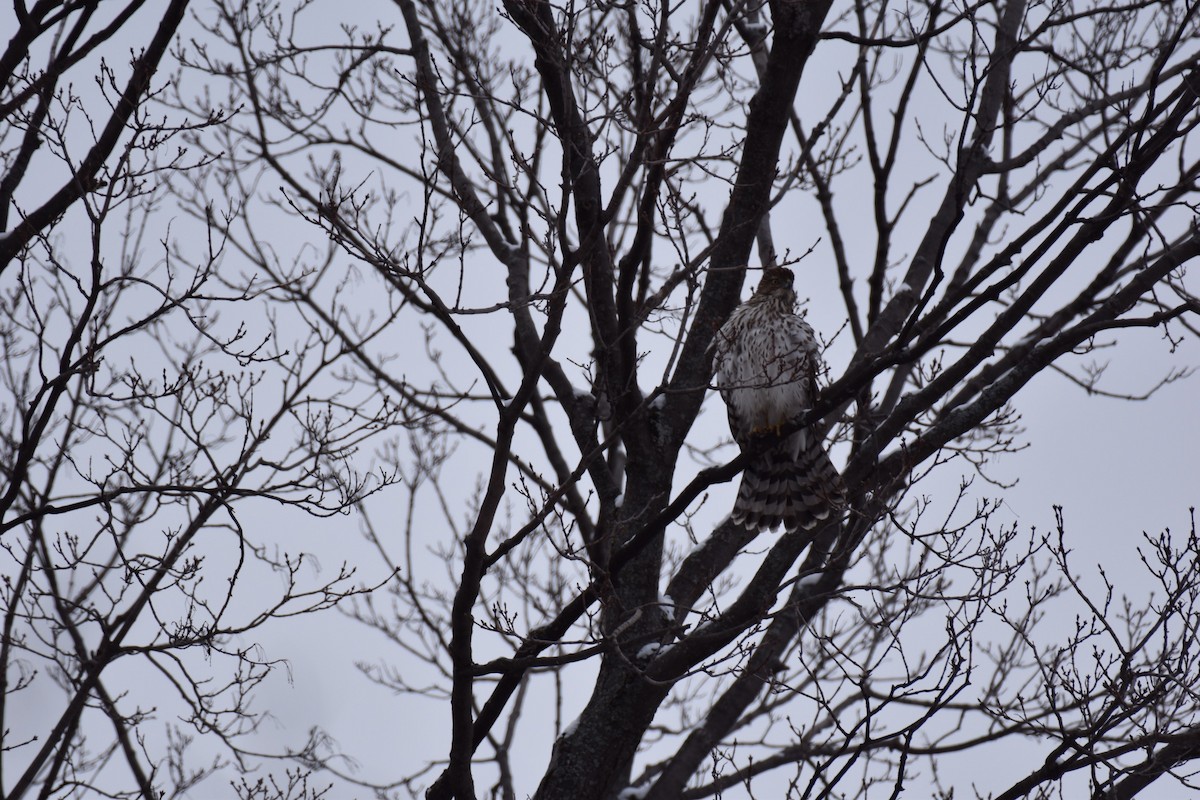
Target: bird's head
(776,283)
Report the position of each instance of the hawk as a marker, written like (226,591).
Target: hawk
(766,367)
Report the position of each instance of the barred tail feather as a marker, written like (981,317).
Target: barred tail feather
(798,492)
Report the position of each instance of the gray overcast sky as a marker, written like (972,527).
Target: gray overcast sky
(1116,467)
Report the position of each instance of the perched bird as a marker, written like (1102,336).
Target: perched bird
(766,366)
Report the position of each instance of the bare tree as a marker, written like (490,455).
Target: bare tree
(144,417)
(567,159)
(498,243)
